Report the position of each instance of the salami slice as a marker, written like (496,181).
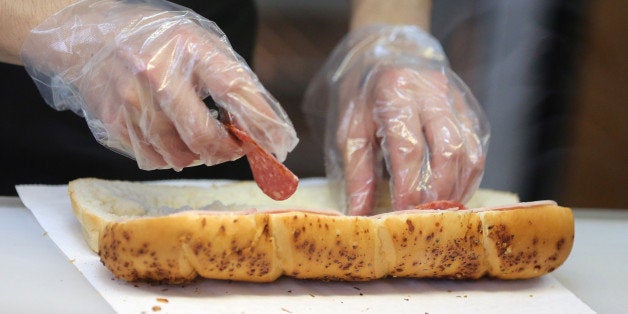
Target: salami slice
(275,180)
(440,205)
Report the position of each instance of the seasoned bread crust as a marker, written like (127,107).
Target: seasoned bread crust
(521,241)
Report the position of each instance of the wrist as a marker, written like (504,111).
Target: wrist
(400,12)
(20,17)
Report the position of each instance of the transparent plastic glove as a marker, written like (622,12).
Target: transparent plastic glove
(138,72)
(391,99)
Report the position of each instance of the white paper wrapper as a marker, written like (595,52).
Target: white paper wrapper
(52,209)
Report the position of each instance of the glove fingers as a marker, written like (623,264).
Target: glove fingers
(127,138)
(442,133)
(473,161)
(184,129)
(402,138)
(356,140)
(165,139)
(153,126)
(199,130)
(358,147)
(235,87)
(112,114)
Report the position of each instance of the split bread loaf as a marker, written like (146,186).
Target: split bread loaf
(173,234)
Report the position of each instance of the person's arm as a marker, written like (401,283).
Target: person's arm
(17,18)
(408,12)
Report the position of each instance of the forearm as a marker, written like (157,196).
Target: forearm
(17,18)
(409,12)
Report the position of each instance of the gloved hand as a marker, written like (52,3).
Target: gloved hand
(391,98)
(138,72)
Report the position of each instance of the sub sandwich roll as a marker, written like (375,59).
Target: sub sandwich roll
(433,244)
(526,241)
(179,247)
(329,247)
(150,243)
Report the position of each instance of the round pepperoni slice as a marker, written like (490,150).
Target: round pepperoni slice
(275,179)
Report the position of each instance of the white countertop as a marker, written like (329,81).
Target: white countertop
(36,277)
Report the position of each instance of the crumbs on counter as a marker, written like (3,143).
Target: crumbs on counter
(162,300)
(285,310)
(156,308)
